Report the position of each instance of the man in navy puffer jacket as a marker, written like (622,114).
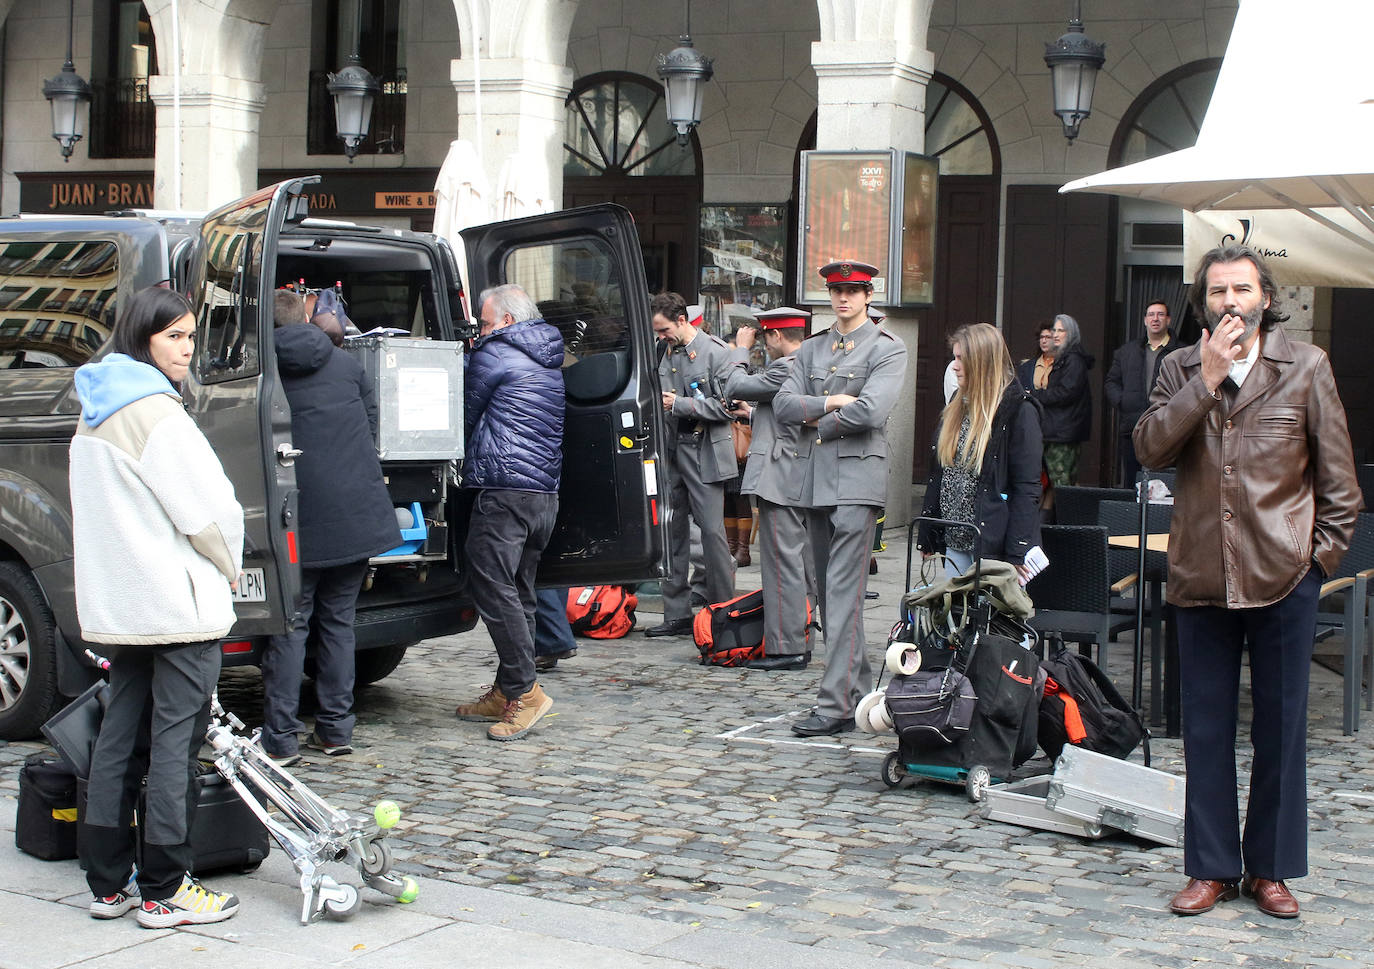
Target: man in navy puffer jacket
(513,415)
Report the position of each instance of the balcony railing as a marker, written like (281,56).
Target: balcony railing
(387,136)
(123,119)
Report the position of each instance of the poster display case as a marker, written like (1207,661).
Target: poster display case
(743,262)
(869,206)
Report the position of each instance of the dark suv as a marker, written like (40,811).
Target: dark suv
(61,282)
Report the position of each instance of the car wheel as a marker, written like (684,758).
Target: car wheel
(28,655)
(371,665)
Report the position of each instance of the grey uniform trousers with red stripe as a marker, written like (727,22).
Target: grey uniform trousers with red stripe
(841,542)
(786,577)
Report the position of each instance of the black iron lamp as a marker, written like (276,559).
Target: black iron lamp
(69,95)
(1074,61)
(684,71)
(353,89)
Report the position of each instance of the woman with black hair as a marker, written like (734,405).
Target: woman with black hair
(158,544)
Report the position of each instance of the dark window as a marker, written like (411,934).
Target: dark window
(619,126)
(381,46)
(44,277)
(226,333)
(123,57)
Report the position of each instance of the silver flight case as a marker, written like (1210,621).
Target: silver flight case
(1095,788)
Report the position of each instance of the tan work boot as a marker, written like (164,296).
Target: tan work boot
(522,714)
(489,706)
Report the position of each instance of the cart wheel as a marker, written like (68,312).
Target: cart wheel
(346,906)
(894,771)
(977,781)
(377,861)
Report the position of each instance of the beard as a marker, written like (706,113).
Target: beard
(1252,321)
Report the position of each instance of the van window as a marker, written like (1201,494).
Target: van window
(226,334)
(73,284)
(578,289)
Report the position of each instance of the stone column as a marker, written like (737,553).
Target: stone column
(522,121)
(211,112)
(871,94)
(219,140)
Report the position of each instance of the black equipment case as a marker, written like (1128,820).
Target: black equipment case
(45,825)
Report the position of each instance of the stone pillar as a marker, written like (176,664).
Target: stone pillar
(522,121)
(211,112)
(219,140)
(871,94)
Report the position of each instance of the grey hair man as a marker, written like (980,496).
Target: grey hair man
(513,418)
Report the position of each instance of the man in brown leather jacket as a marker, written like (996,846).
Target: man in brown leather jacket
(1265,503)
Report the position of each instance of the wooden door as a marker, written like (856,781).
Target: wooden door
(1059,260)
(965,292)
(665,209)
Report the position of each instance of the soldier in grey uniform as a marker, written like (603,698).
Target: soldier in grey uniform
(840,391)
(783,546)
(701,456)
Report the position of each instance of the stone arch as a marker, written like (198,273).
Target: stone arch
(533,29)
(218,37)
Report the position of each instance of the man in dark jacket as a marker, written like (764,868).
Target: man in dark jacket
(513,416)
(1067,402)
(346,516)
(1135,367)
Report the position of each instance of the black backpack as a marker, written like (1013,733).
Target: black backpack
(1083,708)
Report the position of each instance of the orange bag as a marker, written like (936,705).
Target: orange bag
(602,611)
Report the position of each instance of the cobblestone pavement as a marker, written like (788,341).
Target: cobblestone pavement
(660,788)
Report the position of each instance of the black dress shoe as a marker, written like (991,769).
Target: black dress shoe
(547,661)
(793,662)
(673,627)
(818,725)
(870,594)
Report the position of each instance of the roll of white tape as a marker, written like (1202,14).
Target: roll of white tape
(862,713)
(879,719)
(903,659)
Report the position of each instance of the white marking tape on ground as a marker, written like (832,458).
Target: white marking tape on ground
(1353,796)
(737,734)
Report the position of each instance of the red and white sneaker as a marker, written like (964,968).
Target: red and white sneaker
(113,906)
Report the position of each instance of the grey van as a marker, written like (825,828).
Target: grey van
(61,283)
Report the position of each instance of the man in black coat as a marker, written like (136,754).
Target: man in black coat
(1135,367)
(346,517)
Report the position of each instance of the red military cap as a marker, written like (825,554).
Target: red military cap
(695,314)
(848,274)
(782,318)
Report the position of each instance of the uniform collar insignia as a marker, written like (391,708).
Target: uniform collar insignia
(691,354)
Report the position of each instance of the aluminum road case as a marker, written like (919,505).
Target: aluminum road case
(1139,800)
(419,395)
(1023,802)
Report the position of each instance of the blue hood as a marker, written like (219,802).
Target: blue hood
(116,381)
(539,341)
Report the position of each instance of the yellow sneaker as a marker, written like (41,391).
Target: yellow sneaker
(193,904)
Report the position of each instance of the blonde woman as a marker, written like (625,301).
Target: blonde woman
(985,461)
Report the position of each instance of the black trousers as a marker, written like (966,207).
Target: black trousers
(506,538)
(1211,641)
(155,724)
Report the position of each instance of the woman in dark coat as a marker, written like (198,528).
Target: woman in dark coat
(985,462)
(1067,402)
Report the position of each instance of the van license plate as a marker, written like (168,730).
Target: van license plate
(251,588)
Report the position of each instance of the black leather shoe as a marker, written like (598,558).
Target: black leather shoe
(870,594)
(818,725)
(673,627)
(547,661)
(792,662)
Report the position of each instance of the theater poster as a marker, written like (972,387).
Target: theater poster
(876,207)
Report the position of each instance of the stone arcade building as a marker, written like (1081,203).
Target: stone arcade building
(570,111)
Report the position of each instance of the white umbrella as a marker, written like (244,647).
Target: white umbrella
(521,189)
(1246,157)
(462,198)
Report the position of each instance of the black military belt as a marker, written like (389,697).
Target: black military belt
(686,426)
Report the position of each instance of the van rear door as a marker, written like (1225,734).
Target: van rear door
(585,270)
(233,393)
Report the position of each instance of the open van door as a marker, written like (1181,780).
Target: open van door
(585,270)
(233,393)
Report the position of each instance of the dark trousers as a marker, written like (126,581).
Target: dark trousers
(552,634)
(1131,466)
(1211,641)
(155,723)
(331,596)
(506,537)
